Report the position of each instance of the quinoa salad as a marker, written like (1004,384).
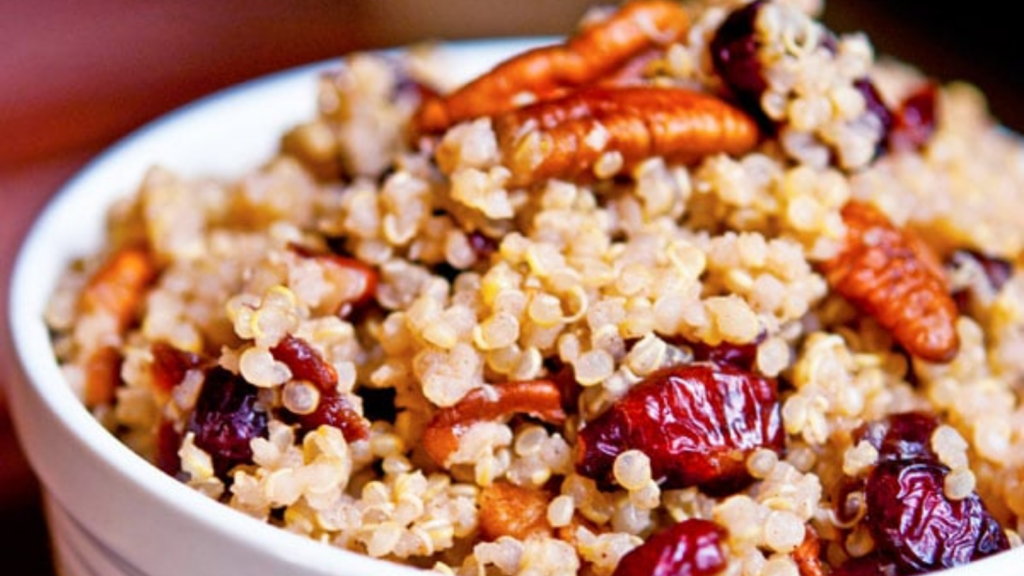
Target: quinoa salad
(701,288)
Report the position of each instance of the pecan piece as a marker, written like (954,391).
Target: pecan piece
(566,137)
(354,281)
(119,285)
(510,510)
(808,555)
(102,376)
(541,399)
(588,56)
(894,277)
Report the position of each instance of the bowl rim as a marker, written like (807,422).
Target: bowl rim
(35,273)
(30,340)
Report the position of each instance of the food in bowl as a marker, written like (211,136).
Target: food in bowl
(704,288)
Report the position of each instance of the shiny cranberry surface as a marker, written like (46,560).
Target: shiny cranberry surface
(226,419)
(915,524)
(696,422)
(692,547)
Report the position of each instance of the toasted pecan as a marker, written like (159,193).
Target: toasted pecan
(594,52)
(566,137)
(894,277)
(118,287)
(539,398)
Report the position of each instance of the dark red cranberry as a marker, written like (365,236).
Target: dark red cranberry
(168,442)
(696,422)
(483,246)
(335,410)
(226,419)
(742,356)
(918,527)
(870,565)
(692,547)
(914,121)
(734,54)
(305,362)
(998,272)
(848,499)
(170,365)
(901,436)
(875,108)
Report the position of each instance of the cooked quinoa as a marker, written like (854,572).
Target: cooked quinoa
(356,340)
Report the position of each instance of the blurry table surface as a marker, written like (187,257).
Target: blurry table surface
(76,76)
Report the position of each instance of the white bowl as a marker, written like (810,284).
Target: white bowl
(111,513)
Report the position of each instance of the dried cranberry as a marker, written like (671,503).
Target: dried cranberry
(741,356)
(734,54)
(998,272)
(168,442)
(692,547)
(335,410)
(696,422)
(875,108)
(870,565)
(483,246)
(914,523)
(170,365)
(901,436)
(914,121)
(848,499)
(226,419)
(305,362)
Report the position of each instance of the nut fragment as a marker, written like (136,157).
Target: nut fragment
(102,376)
(510,510)
(539,398)
(895,278)
(556,138)
(594,52)
(117,288)
(808,555)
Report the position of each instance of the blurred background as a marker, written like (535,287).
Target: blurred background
(79,74)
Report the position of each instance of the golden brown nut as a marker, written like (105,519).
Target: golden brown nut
(118,287)
(567,137)
(594,52)
(894,277)
(539,398)
(808,555)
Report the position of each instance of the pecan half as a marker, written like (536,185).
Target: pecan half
(893,276)
(566,137)
(594,52)
(541,399)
